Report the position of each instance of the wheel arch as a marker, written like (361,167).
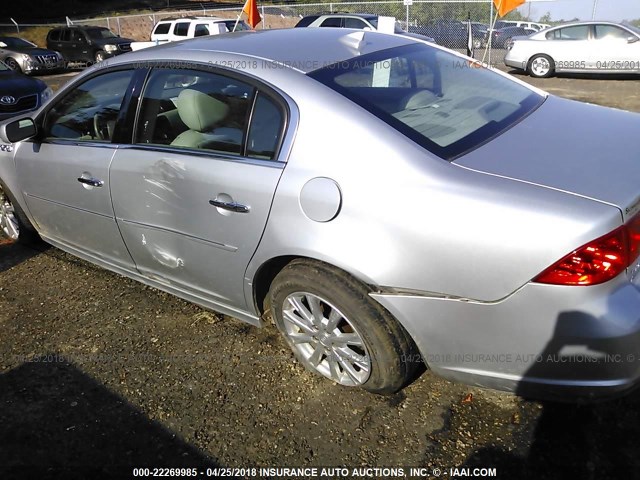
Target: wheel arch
(268,270)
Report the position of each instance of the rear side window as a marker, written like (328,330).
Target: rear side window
(181,29)
(332,22)
(577,32)
(162,29)
(54,35)
(188,109)
(65,36)
(354,23)
(433,97)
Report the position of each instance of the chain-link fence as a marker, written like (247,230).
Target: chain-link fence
(446,21)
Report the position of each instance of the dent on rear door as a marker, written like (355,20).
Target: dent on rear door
(179,193)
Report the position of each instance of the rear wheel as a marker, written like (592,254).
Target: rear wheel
(336,330)
(541,66)
(14,224)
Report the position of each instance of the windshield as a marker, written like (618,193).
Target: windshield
(242,25)
(13,42)
(434,97)
(633,28)
(99,33)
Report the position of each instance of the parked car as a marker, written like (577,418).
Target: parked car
(19,93)
(359,21)
(520,23)
(368,201)
(500,38)
(174,29)
(23,56)
(452,33)
(87,43)
(578,47)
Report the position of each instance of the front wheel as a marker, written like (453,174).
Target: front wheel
(541,66)
(13,64)
(336,330)
(14,224)
(100,56)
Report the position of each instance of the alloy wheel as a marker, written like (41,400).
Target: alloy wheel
(326,341)
(8,221)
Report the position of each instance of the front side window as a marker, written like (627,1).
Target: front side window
(608,32)
(189,109)
(433,97)
(90,111)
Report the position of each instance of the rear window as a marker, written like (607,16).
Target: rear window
(435,98)
(162,29)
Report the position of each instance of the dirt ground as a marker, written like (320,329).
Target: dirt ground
(100,374)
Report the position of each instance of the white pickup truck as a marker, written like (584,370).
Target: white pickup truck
(174,29)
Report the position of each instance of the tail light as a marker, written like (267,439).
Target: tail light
(598,261)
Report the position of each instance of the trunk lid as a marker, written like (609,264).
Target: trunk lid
(579,148)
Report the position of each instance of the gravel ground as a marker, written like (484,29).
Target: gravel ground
(99,374)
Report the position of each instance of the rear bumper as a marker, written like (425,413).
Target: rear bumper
(510,61)
(546,342)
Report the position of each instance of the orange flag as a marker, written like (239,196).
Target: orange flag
(253,14)
(505,6)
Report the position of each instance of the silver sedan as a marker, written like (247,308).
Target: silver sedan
(577,47)
(369,193)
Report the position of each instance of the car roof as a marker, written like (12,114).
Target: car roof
(303,49)
(212,19)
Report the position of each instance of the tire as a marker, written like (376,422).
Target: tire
(13,64)
(99,56)
(541,66)
(14,224)
(477,44)
(366,347)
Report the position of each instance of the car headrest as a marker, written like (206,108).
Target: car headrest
(199,111)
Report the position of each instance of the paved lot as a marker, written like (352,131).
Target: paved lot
(100,372)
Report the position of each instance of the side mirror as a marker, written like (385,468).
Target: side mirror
(18,130)
(632,39)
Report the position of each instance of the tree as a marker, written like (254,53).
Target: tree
(546,18)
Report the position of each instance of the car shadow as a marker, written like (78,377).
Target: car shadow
(57,422)
(584,440)
(12,254)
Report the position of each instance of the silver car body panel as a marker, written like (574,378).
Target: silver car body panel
(589,165)
(449,249)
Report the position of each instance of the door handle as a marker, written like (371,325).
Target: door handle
(92,182)
(231,206)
